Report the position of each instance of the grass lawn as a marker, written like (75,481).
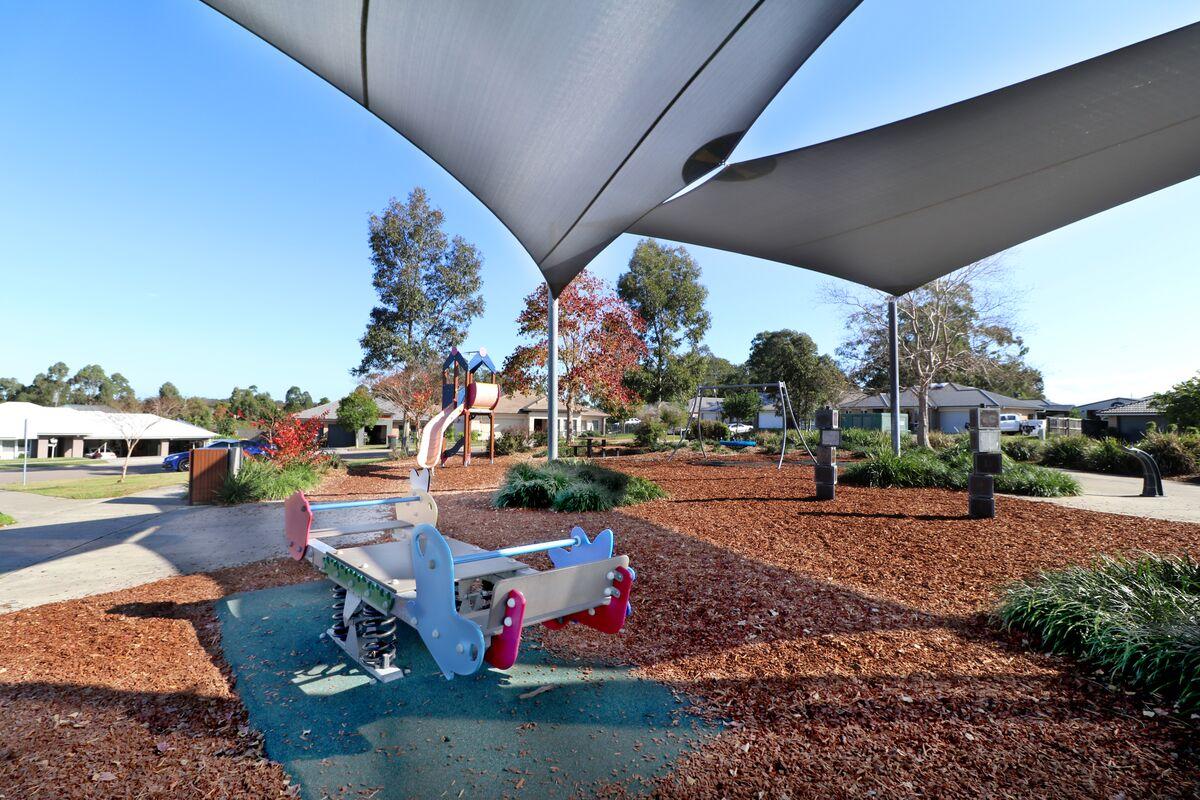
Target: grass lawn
(5,519)
(96,488)
(16,463)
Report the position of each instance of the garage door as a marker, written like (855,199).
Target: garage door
(954,421)
(340,436)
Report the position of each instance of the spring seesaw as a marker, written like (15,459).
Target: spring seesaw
(468,605)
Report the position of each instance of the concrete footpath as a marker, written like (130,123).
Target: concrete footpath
(1121,494)
(62,549)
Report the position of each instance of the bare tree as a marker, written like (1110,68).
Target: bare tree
(131,428)
(956,324)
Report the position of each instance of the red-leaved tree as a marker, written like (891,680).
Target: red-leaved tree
(293,440)
(598,342)
(415,391)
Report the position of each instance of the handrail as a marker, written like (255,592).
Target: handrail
(517,550)
(361,503)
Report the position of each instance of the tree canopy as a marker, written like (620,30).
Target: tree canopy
(428,286)
(357,410)
(663,286)
(812,379)
(954,328)
(1181,403)
(296,400)
(598,343)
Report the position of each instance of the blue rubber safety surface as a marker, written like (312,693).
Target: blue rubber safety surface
(337,733)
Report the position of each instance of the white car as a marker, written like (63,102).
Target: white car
(740,427)
(1010,423)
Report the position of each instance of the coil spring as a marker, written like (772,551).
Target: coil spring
(339,610)
(376,636)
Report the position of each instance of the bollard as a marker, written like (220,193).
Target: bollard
(987,462)
(830,441)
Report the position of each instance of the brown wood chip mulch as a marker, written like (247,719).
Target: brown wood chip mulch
(843,648)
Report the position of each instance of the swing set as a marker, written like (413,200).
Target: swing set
(784,404)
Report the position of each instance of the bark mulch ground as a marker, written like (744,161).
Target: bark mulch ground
(844,648)
(126,695)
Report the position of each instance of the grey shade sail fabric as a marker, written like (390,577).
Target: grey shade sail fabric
(569,120)
(900,205)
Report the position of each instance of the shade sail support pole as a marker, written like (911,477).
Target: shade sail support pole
(551,376)
(894,373)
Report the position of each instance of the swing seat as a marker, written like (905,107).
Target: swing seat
(736,444)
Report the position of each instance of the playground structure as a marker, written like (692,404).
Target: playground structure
(468,605)
(473,398)
(784,404)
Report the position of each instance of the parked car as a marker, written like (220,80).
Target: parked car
(740,428)
(1010,423)
(1033,427)
(181,462)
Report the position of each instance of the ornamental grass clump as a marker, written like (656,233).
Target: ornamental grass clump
(571,485)
(948,469)
(1137,619)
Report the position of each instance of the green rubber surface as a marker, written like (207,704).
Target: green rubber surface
(338,733)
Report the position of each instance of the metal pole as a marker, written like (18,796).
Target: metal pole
(552,377)
(894,372)
(25,461)
(519,550)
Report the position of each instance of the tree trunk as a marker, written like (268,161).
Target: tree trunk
(125,466)
(923,413)
(406,434)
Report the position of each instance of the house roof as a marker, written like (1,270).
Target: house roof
(1100,405)
(1143,406)
(946,395)
(387,410)
(91,423)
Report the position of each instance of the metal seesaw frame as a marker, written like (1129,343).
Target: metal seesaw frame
(785,404)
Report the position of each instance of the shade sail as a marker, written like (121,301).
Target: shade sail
(902,204)
(569,120)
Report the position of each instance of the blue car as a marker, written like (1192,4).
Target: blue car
(180,462)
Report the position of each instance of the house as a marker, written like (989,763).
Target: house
(62,432)
(949,405)
(334,434)
(527,414)
(521,413)
(1129,421)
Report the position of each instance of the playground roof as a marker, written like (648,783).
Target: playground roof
(572,122)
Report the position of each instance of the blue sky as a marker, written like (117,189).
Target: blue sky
(165,172)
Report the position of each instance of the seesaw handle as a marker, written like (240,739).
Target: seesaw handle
(362,503)
(518,550)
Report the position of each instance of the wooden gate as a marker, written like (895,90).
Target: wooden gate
(208,471)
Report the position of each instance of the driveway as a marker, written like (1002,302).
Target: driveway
(1121,494)
(62,549)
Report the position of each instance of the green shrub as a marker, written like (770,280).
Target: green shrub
(1138,620)
(1027,479)
(1108,455)
(640,490)
(1068,452)
(571,485)
(582,497)
(949,469)
(262,479)
(712,429)
(944,441)
(648,433)
(1176,453)
(771,441)
(513,442)
(1022,448)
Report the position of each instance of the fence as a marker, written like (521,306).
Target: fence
(208,470)
(1063,426)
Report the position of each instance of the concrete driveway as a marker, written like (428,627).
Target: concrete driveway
(62,549)
(1121,494)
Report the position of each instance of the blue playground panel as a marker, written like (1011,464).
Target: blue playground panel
(422,736)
